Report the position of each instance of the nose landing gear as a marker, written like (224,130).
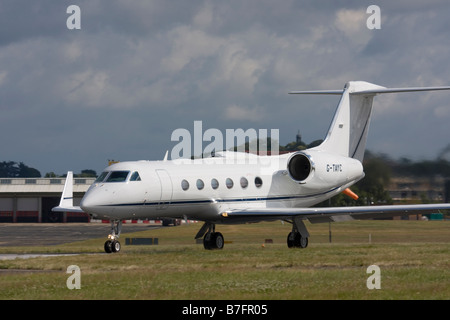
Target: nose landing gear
(112,244)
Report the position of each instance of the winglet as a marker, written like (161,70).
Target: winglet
(66,202)
(67,195)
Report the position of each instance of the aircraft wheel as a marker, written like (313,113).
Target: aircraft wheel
(303,243)
(108,246)
(218,241)
(213,241)
(207,243)
(291,240)
(115,246)
(295,240)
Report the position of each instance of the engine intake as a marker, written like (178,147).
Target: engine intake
(300,167)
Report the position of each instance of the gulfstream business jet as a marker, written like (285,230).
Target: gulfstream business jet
(232,188)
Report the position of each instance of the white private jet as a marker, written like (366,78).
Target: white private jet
(233,188)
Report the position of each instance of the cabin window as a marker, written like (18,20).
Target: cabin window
(258,182)
(102,176)
(118,176)
(200,184)
(135,176)
(184,185)
(229,183)
(244,182)
(214,184)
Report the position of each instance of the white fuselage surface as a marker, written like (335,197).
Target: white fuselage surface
(204,188)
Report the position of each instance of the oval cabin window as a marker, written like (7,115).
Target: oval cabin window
(229,183)
(200,184)
(184,185)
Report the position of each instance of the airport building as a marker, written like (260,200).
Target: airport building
(408,189)
(32,199)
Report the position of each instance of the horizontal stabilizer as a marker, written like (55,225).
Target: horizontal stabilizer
(370,89)
(396,90)
(337,92)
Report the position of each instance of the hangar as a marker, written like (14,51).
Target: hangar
(31,199)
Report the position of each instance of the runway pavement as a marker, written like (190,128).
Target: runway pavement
(42,234)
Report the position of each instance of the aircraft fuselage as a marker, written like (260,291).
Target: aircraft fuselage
(204,188)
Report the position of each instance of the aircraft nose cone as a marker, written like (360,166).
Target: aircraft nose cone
(87,204)
(93,203)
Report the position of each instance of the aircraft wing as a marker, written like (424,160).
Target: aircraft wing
(330,214)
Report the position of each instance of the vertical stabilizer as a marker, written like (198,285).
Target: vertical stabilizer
(347,135)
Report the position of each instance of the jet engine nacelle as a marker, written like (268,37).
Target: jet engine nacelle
(322,168)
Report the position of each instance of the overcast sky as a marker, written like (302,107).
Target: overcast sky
(137,70)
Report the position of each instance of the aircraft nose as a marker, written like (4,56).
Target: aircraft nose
(87,203)
(93,202)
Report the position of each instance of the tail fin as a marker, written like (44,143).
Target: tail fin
(347,134)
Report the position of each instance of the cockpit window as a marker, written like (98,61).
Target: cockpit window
(102,176)
(135,176)
(118,176)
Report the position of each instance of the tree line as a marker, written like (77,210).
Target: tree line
(12,169)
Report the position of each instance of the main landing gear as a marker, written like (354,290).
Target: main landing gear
(295,240)
(212,239)
(112,244)
(298,237)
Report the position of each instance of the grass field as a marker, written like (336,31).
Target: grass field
(413,257)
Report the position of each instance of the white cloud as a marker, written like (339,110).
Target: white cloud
(3,76)
(205,17)
(235,112)
(352,22)
(188,44)
(89,88)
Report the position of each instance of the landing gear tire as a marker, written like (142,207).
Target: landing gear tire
(218,241)
(115,246)
(295,240)
(108,246)
(112,246)
(213,240)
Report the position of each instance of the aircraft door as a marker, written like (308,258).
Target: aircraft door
(166,188)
